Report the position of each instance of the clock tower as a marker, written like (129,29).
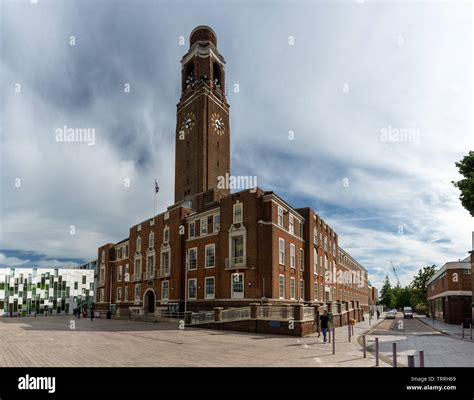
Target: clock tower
(202,126)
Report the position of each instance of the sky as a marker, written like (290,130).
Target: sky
(342,76)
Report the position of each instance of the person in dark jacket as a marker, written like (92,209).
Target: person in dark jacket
(324,319)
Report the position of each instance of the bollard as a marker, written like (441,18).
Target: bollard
(352,330)
(329,333)
(462,327)
(422,358)
(363,344)
(411,361)
(376,351)
(470,326)
(349,331)
(334,340)
(394,354)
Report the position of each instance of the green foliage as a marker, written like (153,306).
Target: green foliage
(466,185)
(386,294)
(421,309)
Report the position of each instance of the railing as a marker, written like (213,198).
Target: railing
(150,274)
(308,312)
(275,312)
(163,274)
(136,277)
(202,317)
(234,314)
(235,263)
(172,315)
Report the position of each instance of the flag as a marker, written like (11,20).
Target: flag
(157,188)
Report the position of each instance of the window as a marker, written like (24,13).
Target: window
(125,294)
(301,260)
(83,281)
(217,223)
(165,262)
(166,234)
(138,267)
(237,213)
(103,256)
(238,249)
(281,287)
(127,273)
(119,274)
(150,267)
(126,251)
(325,243)
(139,243)
(151,240)
(315,235)
(291,227)
(209,284)
(238,285)
(192,258)
(192,288)
(101,295)
(191,229)
(76,285)
(210,255)
(119,294)
(165,290)
(301,289)
(203,226)
(315,291)
(137,292)
(315,262)
(321,265)
(293,288)
(280,216)
(281,248)
(292,255)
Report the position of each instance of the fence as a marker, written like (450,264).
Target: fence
(308,313)
(234,314)
(202,317)
(276,312)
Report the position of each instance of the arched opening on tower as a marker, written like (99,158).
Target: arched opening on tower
(216,75)
(189,76)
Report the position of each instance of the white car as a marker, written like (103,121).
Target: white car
(407,312)
(391,314)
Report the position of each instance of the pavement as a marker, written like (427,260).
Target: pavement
(454,331)
(62,341)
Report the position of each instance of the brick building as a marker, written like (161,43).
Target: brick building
(449,292)
(216,248)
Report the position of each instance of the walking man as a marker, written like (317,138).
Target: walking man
(324,324)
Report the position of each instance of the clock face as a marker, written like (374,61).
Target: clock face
(217,123)
(188,122)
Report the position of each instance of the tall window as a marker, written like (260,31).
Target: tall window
(281,251)
(165,290)
(137,292)
(119,294)
(210,255)
(203,226)
(292,255)
(301,289)
(192,228)
(127,276)
(217,223)
(210,287)
(281,287)
(238,285)
(103,256)
(291,226)
(238,249)
(301,260)
(119,273)
(237,213)
(315,235)
(280,216)
(125,294)
(151,240)
(166,234)
(293,288)
(192,288)
(315,262)
(139,243)
(138,267)
(165,262)
(150,264)
(126,251)
(315,290)
(101,295)
(192,258)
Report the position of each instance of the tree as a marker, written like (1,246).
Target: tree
(466,185)
(419,285)
(386,294)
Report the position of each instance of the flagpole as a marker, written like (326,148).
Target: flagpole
(154,198)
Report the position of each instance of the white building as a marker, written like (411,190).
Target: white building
(24,291)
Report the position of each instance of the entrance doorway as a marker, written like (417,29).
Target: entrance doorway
(150,302)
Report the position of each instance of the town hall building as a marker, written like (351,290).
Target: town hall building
(213,247)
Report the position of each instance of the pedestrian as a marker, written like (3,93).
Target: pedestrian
(378,314)
(324,324)
(79,312)
(92,314)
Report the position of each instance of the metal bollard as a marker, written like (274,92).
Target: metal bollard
(334,341)
(329,333)
(422,358)
(394,354)
(376,351)
(363,344)
(411,361)
(462,327)
(470,326)
(352,330)
(349,331)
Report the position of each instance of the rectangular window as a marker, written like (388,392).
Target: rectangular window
(192,258)
(281,287)
(203,226)
(119,274)
(280,216)
(125,297)
(191,229)
(237,213)
(119,294)
(238,285)
(83,280)
(210,287)
(315,291)
(293,288)
(151,240)
(281,251)
(301,260)
(217,223)
(315,262)
(301,229)
(291,226)
(165,290)
(210,255)
(137,292)
(127,272)
(301,289)
(126,251)
(165,262)
(150,265)
(76,285)
(192,288)
(238,249)
(315,235)
(101,294)
(166,235)
(292,255)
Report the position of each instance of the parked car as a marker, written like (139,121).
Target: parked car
(391,314)
(407,312)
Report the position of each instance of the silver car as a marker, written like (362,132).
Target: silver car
(391,314)
(407,312)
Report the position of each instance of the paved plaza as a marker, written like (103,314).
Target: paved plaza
(49,342)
